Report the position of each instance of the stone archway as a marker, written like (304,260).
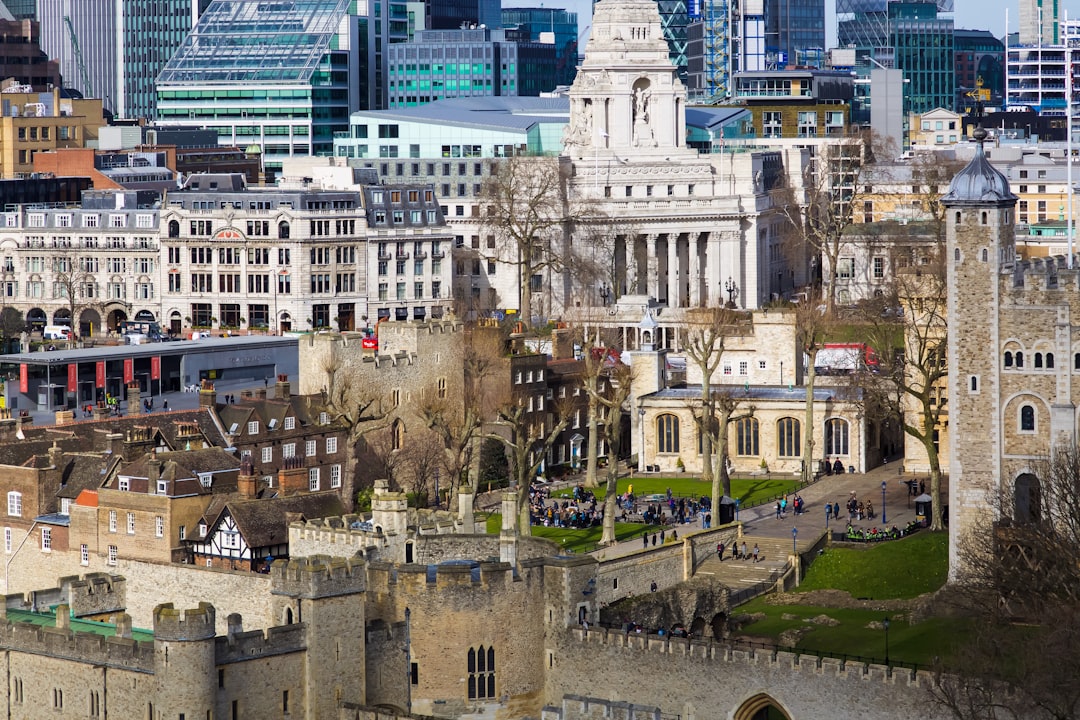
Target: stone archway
(115,317)
(89,322)
(760,707)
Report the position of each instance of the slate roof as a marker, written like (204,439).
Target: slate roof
(265,522)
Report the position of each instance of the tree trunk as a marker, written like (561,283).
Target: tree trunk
(723,483)
(611,494)
(705,432)
(525,292)
(808,430)
(593,447)
(937,521)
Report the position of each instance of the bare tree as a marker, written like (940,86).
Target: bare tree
(75,284)
(812,323)
(523,206)
(706,341)
(819,212)
(527,440)
(1017,585)
(611,394)
(909,383)
(359,408)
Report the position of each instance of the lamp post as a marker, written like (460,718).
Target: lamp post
(885,624)
(732,289)
(883,518)
(794,545)
(738,501)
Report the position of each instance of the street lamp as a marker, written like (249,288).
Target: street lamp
(605,293)
(883,518)
(794,546)
(732,289)
(885,624)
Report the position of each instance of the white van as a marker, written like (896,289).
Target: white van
(56,332)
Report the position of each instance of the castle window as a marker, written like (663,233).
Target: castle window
(1026,499)
(956,254)
(667,434)
(985,217)
(1027,418)
(112,555)
(17,690)
(973,383)
(481,673)
(1019,359)
(7,540)
(958,217)
(397,435)
(1038,360)
(746,437)
(836,437)
(985,255)
(788,440)
(1076,361)
(58,698)
(1009,359)
(1049,360)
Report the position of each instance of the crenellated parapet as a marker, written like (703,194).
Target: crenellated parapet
(728,654)
(190,625)
(318,576)
(85,647)
(576,706)
(244,646)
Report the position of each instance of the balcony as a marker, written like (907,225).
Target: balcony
(420,255)
(402,255)
(437,254)
(385,255)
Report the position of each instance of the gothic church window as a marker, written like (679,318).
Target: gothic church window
(667,434)
(746,434)
(481,673)
(1026,499)
(836,437)
(788,440)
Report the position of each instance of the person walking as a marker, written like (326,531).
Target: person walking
(756,552)
(720,551)
(744,555)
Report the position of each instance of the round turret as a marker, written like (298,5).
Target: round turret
(980,182)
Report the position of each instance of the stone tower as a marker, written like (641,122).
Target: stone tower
(185,678)
(980,246)
(327,596)
(627,99)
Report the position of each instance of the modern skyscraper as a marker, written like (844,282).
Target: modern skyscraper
(113,49)
(562,25)
(1040,22)
(273,74)
(455,14)
(794,32)
(924,50)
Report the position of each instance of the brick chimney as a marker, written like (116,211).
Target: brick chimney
(281,390)
(207,395)
(153,471)
(562,344)
(246,484)
(293,477)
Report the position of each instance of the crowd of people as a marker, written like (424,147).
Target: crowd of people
(581,511)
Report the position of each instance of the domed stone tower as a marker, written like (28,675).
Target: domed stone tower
(980,248)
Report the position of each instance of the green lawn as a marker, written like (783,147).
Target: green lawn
(750,491)
(899,569)
(578,541)
(888,570)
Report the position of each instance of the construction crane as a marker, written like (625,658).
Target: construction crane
(87,90)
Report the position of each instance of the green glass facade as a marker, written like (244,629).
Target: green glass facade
(925,51)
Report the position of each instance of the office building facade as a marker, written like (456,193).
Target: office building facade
(924,50)
(562,26)
(113,49)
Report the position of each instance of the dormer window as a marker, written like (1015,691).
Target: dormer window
(162,487)
(290,423)
(253,427)
(124,484)
(202,529)
(206,479)
(324,418)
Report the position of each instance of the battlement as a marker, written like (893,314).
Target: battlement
(88,647)
(318,576)
(92,594)
(1044,273)
(244,646)
(711,651)
(190,625)
(485,576)
(576,706)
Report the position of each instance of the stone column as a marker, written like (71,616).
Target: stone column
(713,297)
(653,263)
(694,253)
(673,271)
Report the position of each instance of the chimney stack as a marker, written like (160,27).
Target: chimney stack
(207,395)
(245,481)
(293,477)
(281,390)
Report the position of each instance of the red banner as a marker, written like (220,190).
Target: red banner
(100,374)
(129,370)
(24,378)
(73,378)
(155,368)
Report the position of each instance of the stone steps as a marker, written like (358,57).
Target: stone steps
(773,556)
